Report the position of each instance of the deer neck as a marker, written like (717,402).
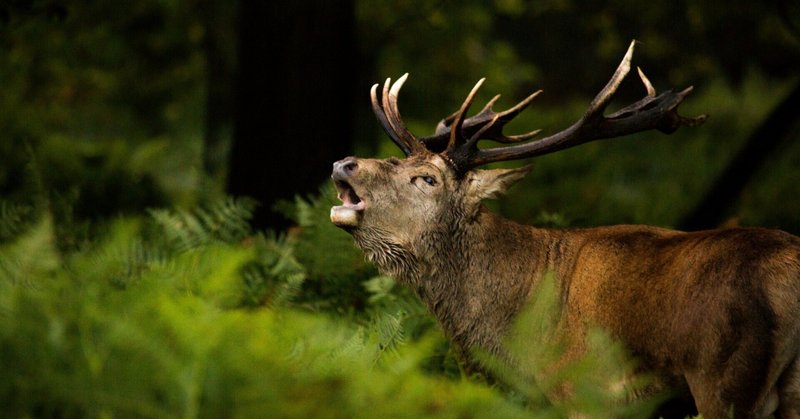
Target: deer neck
(475,276)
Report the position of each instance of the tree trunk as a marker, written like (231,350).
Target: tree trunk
(294,111)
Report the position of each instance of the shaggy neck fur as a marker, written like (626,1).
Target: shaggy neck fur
(474,274)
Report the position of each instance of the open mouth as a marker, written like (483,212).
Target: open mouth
(349,213)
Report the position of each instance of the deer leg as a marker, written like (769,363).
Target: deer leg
(741,389)
(789,392)
(706,397)
(715,399)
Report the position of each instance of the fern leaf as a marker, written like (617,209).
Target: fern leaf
(219,221)
(31,257)
(14,219)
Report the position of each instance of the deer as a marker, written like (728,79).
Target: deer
(712,314)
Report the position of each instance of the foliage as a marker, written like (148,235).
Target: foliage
(103,111)
(335,267)
(187,314)
(107,103)
(76,345)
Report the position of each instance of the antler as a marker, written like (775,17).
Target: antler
(487,119)
(456,136)
(487,123)
(389,116)
(651,112)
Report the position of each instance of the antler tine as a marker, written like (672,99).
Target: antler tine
(601,101)
(651,91)
(495,130)
(388,115)
(387,127)
(496,133)
(478,122)
(456,135)
(393,114)
(651,112)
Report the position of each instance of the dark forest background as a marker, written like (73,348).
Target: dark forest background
(169,102)
(164,182)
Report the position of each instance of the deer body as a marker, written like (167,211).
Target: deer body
(715,312)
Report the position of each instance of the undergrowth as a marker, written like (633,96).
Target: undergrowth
(190,313)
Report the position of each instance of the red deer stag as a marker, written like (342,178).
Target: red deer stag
(715,313)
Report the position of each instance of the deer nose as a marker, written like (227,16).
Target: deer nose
(345,168)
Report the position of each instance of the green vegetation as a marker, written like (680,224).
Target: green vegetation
(190,314)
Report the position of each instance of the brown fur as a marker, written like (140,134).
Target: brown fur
(717,312)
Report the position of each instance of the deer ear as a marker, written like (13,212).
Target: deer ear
(490,184)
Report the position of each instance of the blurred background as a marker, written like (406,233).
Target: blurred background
(112,108)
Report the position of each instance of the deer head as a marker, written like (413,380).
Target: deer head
(438,187)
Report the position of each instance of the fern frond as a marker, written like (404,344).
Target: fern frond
(274,277)
(224,221)
(390,330)
(14,219)
(335,267)
(121,257)
(30,258)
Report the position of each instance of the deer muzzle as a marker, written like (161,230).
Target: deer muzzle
(347,215)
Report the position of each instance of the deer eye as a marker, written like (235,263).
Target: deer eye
(430,180)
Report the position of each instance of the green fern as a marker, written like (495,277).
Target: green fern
(275,277)
(396,315)
(225,220)
(31,257)
(189,314)
(335,268)
(14,219)
(122,255)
